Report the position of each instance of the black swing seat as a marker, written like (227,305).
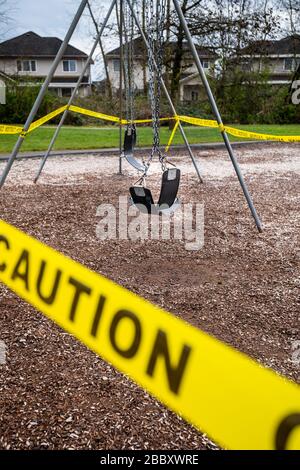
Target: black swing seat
(168,202)
(129,144)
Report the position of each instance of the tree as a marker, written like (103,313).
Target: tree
(94,26)
(290,9)
(227,27)
(224,26)
(5,18)
(97,30)
(175,31)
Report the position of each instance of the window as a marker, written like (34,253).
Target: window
(205,63)
(69,65)
(288,63)
(26,65)
(291,64)
(194,95)
(117,66)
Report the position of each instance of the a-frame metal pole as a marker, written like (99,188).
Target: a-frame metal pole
(74,93)
(217,114)
(43,91)
(166,93)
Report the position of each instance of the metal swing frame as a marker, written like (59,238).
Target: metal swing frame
(202,75)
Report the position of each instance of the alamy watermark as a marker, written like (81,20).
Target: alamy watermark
(2,353)
(127,222)
(296,352)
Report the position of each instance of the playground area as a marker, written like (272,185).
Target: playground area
(242,287)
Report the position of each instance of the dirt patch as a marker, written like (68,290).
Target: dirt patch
(242,287)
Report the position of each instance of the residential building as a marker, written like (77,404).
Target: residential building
(29,57)
(190,83)
(278,58)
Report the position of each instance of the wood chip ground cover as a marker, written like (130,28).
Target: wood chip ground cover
(242,287)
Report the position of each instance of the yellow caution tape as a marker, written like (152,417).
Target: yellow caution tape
(144,121)
(76,109)
(198,122)
(34,125)
(105,117)
(45,119)
(238,132)
(257,136)
(239,403)
(172,135)
(6,129)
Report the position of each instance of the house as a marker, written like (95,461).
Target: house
(30,56)
(190,83)
(279,58)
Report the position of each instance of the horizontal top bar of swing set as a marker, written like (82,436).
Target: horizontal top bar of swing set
(8,129)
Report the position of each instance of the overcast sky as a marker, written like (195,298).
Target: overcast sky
(52,18)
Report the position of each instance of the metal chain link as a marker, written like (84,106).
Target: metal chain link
(155,15)
(126,77)
(129,62)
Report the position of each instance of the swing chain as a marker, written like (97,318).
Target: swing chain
(156,15)
(128,63)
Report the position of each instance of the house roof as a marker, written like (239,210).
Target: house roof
(139,49)
(289,45)
(31,45)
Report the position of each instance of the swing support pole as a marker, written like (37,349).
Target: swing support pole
(217,115)
(42,92)
(74,93)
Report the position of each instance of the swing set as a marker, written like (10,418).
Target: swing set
(141,196)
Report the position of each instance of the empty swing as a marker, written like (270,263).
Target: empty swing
(128,149)
(141,196)
(168,202)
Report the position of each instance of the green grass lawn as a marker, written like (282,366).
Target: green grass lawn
(104,137)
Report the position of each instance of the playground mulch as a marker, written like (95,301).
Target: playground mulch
(242,287)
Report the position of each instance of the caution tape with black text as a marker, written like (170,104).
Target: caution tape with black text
(236,401)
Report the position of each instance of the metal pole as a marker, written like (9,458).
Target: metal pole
(167,94)
(121,19)
(217,115)
(63,118)
(42,92)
